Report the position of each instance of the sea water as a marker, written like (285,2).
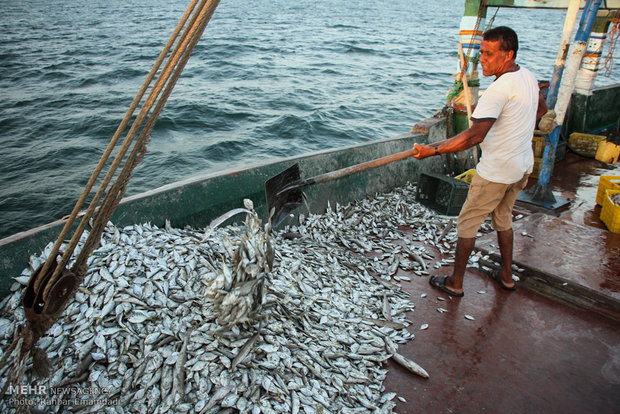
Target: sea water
(269,78)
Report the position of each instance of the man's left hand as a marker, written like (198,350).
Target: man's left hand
(424,151)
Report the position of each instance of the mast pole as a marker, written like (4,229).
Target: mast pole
(540,193)
(471,28)
(560,60)
(575,58)
(591,61)
(470,37)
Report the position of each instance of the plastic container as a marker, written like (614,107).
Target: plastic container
(536,168)
(460,119)
(538,146)
(606,182)
(610,213)
(467,176)
(443,194)
(608,152)
(585,144)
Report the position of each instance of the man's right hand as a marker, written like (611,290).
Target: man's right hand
(424,151)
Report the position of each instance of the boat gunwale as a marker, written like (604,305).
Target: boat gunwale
(16,237)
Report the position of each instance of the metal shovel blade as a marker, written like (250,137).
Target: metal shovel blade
(281,203)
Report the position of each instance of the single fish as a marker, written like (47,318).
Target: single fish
(405,362)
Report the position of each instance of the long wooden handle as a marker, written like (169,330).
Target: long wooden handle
(363,166)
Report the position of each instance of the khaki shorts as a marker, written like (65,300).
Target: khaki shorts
(484,198)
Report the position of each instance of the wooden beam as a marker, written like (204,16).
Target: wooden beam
(548,4)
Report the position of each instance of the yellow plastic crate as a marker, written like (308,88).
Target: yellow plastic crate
(608,152)
(538,145)
(586,144)
(610,213)
(467,176)
(606,182)
(536,168)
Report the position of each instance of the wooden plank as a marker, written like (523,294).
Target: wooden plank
(565,261)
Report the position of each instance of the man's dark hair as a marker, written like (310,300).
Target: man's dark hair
(506,36)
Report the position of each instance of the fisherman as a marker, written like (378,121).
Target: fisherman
(503,125)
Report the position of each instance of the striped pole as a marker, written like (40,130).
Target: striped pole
(591,61)
(576,55)
(470,38)
(471,28)
(560,60)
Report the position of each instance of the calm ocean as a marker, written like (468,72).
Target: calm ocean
(268,79)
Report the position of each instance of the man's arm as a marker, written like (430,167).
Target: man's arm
(542,106)
(472,136)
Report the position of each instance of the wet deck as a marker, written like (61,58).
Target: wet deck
(551,346)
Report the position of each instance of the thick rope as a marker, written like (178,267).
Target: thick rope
(199,20)
(614,34)
(118,190)
(166,82)
(105,157)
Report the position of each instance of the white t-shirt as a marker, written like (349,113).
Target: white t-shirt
(512,100)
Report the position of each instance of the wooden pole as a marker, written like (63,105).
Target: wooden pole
(560,60)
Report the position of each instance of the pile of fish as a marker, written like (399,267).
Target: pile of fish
(154,327)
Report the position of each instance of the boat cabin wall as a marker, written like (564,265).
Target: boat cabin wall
(594,113)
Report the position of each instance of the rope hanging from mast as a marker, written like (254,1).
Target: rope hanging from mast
(52,285)
(614,34)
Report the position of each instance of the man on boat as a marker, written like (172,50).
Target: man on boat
(503,125)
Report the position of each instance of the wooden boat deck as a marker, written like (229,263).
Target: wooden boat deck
(526,351)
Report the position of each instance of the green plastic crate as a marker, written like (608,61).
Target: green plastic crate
(443,194)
